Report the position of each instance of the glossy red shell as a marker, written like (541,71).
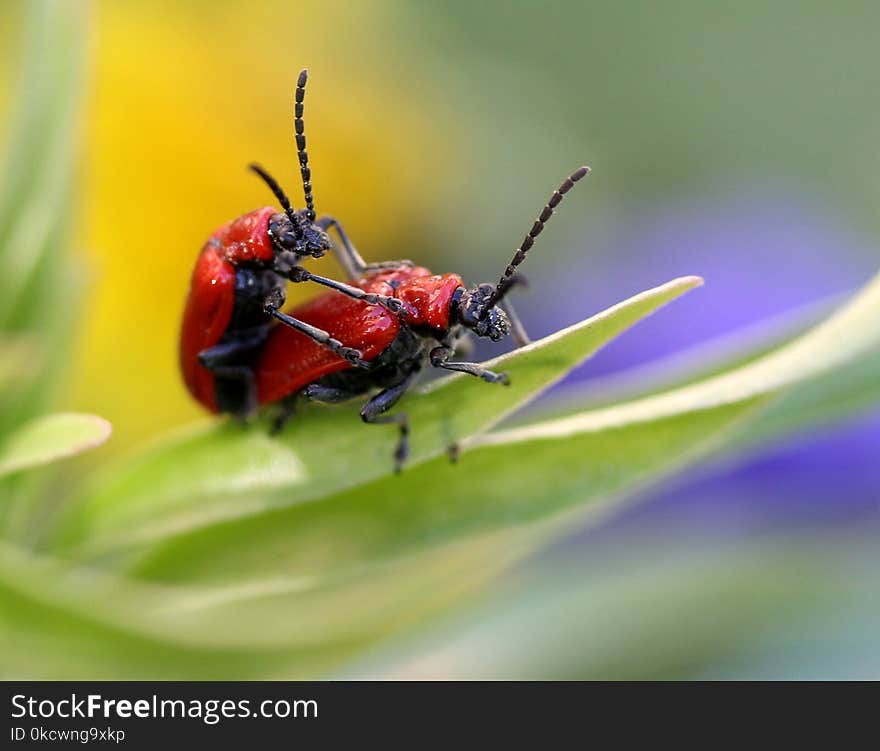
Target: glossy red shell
(205,318)
(246,240)
(212,294)
(289,361)
(427,299)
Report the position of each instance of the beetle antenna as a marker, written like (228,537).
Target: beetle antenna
(276,189)
(302,154)
(508,279)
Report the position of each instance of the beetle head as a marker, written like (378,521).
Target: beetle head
(476,313)
(295,238)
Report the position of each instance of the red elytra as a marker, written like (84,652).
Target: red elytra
(211,298)
(289,361)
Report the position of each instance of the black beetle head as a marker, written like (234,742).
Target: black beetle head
(477,312)
(298,235)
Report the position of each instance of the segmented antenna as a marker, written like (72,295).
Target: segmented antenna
(299,127)
(507,279)
(279,193)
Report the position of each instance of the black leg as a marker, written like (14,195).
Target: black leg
(299,274)
(347,255)
(439,359)
(354,356)
(382,265)
(314,393)
(234,383)
(349,258)
(517,330)
(236,390)
(227,352)
(372,412)
(286,411)
(453,451)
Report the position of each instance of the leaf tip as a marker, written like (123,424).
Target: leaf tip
(691,281)
(52,437)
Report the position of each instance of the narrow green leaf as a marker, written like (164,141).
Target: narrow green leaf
(490,490)
(850,335)
(50,438)
(217,473)
(56,623)
(530,474)
(695,364)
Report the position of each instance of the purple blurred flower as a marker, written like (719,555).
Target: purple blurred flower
(761,255)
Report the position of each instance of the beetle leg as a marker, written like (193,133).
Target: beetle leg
(517,330)
(349,258)
(372,411)
(236,390)
(440,359)
(382,265)
(453,451)
(225,352)
(353,356)
(286,411)
(347,255)
(314,393)
(299,274)
(224,360)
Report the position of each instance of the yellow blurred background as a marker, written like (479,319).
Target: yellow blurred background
(181,102)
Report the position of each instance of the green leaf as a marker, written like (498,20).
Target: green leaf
(848,337)
(50,438)
(215,473)
(523,478)
(57,621)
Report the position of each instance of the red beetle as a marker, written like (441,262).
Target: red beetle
(238,286)
(435,311)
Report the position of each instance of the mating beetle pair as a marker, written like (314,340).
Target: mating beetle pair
(238,350)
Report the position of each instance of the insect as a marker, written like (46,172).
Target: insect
(435,310)
(238,286)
